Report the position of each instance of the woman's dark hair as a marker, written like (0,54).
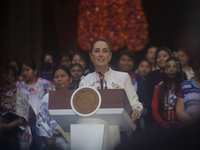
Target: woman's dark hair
(58,67)
(145,59)
(47,53)
(148,48)
(65,54)
(184,50)
(128,53)
(76,64)
(81,55)
(30,63)
(163,49)
(109,46)
(180,77)
(14,71)
(18,64)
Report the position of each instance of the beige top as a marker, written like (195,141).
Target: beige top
(113,80)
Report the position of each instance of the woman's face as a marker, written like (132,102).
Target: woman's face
(144,68)
(11,75)
(151,54)
(3,76)
(48,58)
(162,57)
(171,69)
(62,80)
(28,73)
(125,63)
(76,73)
(77,59)
(100,54)
(65,61)
(183,58)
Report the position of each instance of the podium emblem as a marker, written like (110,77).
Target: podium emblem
(85,101)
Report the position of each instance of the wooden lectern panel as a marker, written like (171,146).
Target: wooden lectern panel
(111,98)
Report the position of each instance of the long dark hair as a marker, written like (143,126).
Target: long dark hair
(165,85)
(63,67)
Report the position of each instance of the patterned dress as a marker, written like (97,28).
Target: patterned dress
(36,92)
(14,104)
(168,115)
(45,123)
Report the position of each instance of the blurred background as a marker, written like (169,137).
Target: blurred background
(29,28)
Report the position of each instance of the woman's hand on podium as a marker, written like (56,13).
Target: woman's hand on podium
(136,113)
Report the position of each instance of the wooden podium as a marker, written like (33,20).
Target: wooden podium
(112,117)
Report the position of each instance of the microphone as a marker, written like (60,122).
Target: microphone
(103,79)
(80,80)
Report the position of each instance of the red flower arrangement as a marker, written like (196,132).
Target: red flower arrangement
(121,22)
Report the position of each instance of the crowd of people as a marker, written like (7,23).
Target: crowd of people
(163,90)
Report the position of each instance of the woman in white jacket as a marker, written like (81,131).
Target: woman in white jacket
(106,78)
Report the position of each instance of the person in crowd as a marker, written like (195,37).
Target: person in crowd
(106,78)
(45,123)
(16,115)
(15,63)
(150,55)
(46,71)
(126,64)
(144,67)
(12,74)
(188,104)
(175,54)
(77,72)
(184,58)
(165,95)
(49,57)
(79,57)
(65,59)
(152,79)
(34,88)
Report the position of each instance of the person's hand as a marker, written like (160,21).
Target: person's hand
(135,114)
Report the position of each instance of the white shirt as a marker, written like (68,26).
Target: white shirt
(113,80)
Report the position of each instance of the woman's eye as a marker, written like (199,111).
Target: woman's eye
(105,51)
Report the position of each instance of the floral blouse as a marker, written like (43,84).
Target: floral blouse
(36,92)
